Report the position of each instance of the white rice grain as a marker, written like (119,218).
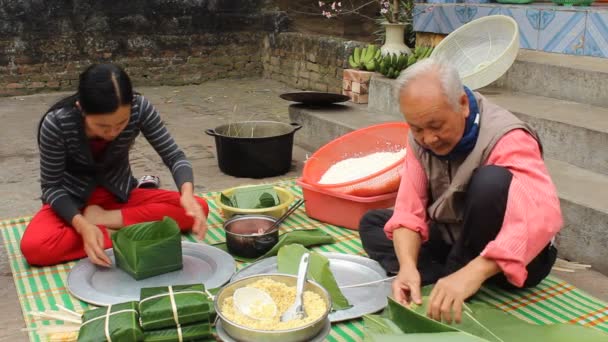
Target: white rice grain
(356,168)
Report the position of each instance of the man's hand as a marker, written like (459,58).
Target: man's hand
(406,286)
(449,294)
(93,241)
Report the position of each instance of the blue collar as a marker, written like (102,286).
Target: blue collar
(471,131)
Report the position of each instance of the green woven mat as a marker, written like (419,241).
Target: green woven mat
(552,301)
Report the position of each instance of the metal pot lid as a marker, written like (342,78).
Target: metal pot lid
(314,98)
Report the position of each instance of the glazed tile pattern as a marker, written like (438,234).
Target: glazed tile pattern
(543,27)
(596,35)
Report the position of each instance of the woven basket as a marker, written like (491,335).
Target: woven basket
(482,50)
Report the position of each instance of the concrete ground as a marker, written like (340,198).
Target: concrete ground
(187,111)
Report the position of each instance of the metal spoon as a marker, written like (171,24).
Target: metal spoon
(296,310)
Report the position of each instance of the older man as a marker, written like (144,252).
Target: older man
(475,204)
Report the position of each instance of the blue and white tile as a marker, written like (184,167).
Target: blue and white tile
(448,18)
(423,18)
(528,20)
(465,13)
(596,34)
(562,31)
(479,11)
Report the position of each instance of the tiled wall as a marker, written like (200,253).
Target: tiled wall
(544,27)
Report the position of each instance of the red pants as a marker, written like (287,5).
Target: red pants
(49,240)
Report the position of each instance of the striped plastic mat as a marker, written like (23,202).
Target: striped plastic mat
(553,301)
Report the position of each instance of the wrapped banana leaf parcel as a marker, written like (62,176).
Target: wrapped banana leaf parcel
(118,322)
(176,313)
(193,332)
(148,249)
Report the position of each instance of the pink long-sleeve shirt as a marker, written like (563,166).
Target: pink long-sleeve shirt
(532,217)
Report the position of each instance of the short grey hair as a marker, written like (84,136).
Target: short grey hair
(448,76)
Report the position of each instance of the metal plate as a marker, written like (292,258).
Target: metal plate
(104,286)
(226,338)
(314,98)
(348,270)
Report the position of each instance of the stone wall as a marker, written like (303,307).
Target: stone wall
(308,62)
(44,44)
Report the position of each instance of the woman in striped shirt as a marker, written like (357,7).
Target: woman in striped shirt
(86,179)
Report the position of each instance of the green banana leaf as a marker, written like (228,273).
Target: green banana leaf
(122,326)
(288,261)
(484,322)
(157,313)
(252,197)
(380,329)
(379,324)
(148,249)
(305,237)
(430,337)
(192,332)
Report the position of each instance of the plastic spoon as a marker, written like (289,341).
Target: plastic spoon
(250,302)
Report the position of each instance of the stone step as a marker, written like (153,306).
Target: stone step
(319,126)
(583,193)
(584,202)
(575,78)
(381,96)
(573,132)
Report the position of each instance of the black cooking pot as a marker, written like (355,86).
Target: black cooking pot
(254,149)
(243,236)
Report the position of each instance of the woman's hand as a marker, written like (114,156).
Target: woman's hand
(194,210)
(93,241)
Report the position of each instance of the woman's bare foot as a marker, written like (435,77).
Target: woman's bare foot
(99,216)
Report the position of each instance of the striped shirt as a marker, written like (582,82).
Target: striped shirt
(69,173)
(532,217)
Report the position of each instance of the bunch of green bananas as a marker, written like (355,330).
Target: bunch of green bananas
(365,59)
(391,65)
(420,52)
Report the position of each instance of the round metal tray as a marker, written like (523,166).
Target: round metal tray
(104,286)
(315,98)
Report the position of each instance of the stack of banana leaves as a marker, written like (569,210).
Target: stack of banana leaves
(118,322)
(480,322)
(164,314)
(176,313)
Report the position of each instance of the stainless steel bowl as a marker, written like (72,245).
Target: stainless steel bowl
(245,334)
(242,238)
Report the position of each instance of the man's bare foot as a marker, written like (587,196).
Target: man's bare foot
(99,216)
